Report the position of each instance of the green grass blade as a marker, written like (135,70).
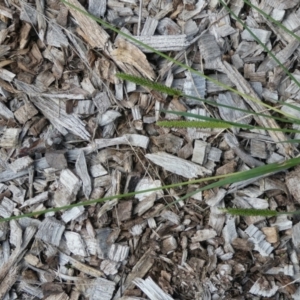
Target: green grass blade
(248,212)
(245,175)
(209,119)
(174,92)
(194,124)
(150,84)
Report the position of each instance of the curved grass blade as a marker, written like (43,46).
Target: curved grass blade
(248,212)
(194,124)
(205,118)
(94,201)
(150,84)
(174,92)
(245,175)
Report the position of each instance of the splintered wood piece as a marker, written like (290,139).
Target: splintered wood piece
(109,267)
(10,137)
(50,231)
(258,238)
(170,216)
(169,244)
(178,165)
(271,234)
(7,75)
(127,53)
(25,113)
(21,164)
(97,170)
(292,183)
(262,35)
(244,87)
(6,207)
(101,101)
(101,288)
(263,287)
(145,184)
(167,26)
(151,289)
(163,43)
(149,27)
(201,150)
(118,252)
(258,149)
(5,112)
(65,259)
(82,172)
(16,233)
(18,253)
(188,14)
(92,31)
(72,214)
(210,51)
(9,280)
(203,235)
(56,159)
(140,269)
(75,243)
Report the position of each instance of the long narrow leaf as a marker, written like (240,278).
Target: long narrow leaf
(209,119)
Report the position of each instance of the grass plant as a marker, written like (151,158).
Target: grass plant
(207,122)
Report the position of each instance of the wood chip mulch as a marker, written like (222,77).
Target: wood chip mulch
(71,131)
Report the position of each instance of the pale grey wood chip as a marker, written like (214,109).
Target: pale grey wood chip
(258,149)
(244,87)
(97,170)
(108,117)
(18,253)
(28,14)
(72,213)
(21,164)
(258,288)
(75,243)
(15,233)
(64,259)
(109,267)
(97,8)
(10,137)
(203,235)
(35,200)
(258,238)
(118,252)
(101,101)
(50,231)
(178,165)
(96,36)
(188,14)
(167,26)
(5,112)
(296,235)
(84,107)
(70,181)
(200,152)
(211,87)
(170,216)
(149,27)
(7,75)
(278,4)
(140,269)
(262,35)
(82,171)
(6,207)
(169,244)
(210,51)
(9,281)
(163,43)
(101,288)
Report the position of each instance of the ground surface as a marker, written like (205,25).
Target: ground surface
(71,131)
